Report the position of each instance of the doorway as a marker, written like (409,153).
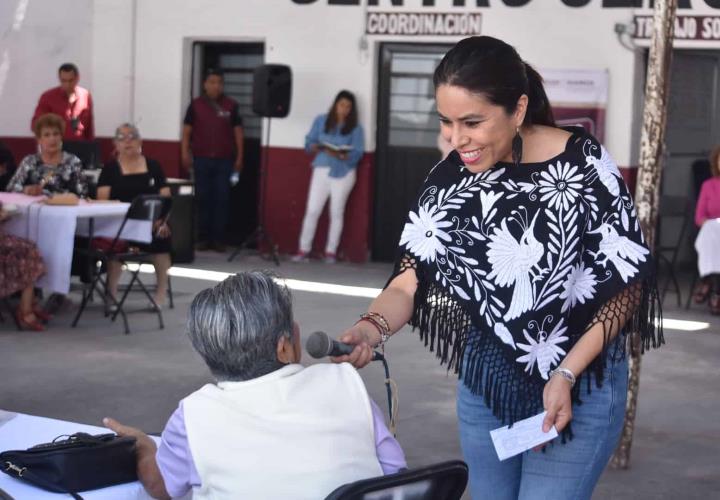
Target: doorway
(237,61)
(693,130)
(407,137)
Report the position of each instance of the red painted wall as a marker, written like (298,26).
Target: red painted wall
(287,186)
(288,179)
(285,196)
(166,152)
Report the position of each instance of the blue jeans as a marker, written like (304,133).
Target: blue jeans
(567,471)
(212,193)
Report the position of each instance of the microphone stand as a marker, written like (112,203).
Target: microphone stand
(259,236)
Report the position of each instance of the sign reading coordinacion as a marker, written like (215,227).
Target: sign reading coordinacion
(423,23)
(686,27)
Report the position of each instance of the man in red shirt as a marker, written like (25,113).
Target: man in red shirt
(70,101)
(212,143)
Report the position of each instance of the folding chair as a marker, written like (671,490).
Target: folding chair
(443,481)
(147,208)
(667,252)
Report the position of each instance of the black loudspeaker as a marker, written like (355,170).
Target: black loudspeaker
(272,87)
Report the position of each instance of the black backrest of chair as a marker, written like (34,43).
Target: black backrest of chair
(442,481)
(87,151)
(673,207)
(149,207)
(701,173)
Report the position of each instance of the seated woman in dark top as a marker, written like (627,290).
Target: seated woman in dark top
(132,175)
(51,170)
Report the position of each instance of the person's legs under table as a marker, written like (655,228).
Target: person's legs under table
(220,203)
(203,171)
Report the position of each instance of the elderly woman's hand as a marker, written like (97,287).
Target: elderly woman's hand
(143,444)
(147,469)
(364,336)
(33,190)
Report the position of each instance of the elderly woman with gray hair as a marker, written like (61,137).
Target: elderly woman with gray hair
(268,428)
(129,176)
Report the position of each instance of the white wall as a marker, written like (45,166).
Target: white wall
(137,66)
(112,64)
(36,38)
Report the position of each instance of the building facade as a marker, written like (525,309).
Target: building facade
(143,61)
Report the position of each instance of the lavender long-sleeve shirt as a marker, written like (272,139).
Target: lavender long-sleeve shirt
(178,469)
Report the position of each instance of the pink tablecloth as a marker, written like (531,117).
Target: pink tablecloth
(53,230)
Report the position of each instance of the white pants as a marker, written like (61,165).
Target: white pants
(322,186)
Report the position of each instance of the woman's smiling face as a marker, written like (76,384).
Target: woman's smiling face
(480,131)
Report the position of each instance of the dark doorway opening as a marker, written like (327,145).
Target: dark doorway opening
(237,61)
(407,137)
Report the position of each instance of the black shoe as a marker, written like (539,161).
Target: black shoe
(54,303)
(202,246)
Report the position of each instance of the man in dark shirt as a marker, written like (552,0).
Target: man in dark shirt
(72,102)
(212,143)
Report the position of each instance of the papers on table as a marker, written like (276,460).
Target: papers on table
(522,436)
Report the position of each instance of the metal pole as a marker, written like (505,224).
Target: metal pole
(647,191)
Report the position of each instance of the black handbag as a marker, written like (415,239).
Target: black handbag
(79,462)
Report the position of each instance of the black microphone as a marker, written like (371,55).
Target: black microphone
(319,345)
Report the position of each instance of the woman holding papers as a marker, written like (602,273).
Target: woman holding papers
(336,140)
(523,265)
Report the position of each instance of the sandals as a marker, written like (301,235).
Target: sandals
(701,293)
(26,323)
(715,304)
(41,314)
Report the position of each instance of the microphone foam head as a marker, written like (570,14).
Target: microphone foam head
(318,345)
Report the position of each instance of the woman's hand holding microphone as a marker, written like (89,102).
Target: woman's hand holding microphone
(364,336)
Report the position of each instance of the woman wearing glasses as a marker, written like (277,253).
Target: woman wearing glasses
(129,176)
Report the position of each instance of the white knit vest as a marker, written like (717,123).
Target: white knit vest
(296,433)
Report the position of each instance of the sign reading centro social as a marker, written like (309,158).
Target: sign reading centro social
(423,23)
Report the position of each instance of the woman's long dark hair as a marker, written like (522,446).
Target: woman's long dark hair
(350,121)
(490,67)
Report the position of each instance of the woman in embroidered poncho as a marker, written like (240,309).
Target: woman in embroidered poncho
(521,263)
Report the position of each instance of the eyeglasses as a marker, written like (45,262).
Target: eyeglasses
(126,137)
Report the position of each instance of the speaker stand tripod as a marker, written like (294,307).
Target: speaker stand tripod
(259,236)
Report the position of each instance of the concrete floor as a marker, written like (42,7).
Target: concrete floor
(93,371)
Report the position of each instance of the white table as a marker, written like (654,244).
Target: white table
(53,229)
(706,245)
(19,432)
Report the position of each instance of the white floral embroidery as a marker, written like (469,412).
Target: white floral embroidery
(578,287)
(504,334)
(487,200)
(424,233)
(620,250)
(512,262)
(560,185)
(544,351)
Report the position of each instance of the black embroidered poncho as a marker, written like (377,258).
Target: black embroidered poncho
(516,263)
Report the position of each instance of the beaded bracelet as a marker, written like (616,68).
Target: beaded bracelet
(380,323)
